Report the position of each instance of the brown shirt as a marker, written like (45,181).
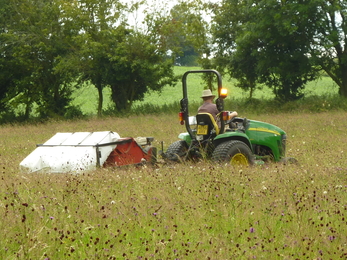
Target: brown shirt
(207,107)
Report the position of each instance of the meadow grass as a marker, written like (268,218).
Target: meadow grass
(179,211)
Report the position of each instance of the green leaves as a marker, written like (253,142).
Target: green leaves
(281,43)
(48,46)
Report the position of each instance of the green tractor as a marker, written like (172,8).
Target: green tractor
(238,141)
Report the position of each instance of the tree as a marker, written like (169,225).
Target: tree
(101,29)
(112,54)
(138,65)
(182,30)
(234,53)
(328,21)
(190,32)
(290,41)
(283,46)
(34,40)
(48,45)
(269,44)
(14,71)
(5,81)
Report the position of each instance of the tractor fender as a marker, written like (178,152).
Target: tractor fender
(232,136)
(185,137)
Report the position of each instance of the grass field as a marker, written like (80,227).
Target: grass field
(86,97)
(179,211)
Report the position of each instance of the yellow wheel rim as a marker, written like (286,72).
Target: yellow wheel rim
(239,159)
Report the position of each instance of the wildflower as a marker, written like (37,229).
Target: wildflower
(251,230)
(51,217)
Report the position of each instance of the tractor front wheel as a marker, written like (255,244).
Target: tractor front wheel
(233,152)
(177,151)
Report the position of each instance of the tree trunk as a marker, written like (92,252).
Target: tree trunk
(27,111)
(119,97)
(343,85)
(343,91)
(100,100)
(251,88)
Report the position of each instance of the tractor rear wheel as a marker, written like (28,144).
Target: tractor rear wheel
(177,151)
(233,152)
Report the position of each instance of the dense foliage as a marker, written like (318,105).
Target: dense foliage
(282,43)
(190,32)
(48,49)
(48,46)
(33,38)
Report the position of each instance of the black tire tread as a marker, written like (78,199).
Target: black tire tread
(222,151)
(177,150)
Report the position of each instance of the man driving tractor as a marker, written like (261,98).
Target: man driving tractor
(209,107)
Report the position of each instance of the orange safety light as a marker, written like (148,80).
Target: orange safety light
(223,93)
(181,117)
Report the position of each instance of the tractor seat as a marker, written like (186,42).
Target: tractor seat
(207,125)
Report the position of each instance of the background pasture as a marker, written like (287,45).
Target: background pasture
(86,96)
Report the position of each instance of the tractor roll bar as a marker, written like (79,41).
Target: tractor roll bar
(184,100)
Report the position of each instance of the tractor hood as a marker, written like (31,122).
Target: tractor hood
(258,126)
(71,152)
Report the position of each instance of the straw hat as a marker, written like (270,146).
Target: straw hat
(207,93)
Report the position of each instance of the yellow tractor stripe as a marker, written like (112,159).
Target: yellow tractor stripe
(264,130)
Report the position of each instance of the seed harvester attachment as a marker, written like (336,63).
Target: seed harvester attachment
(84,151)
